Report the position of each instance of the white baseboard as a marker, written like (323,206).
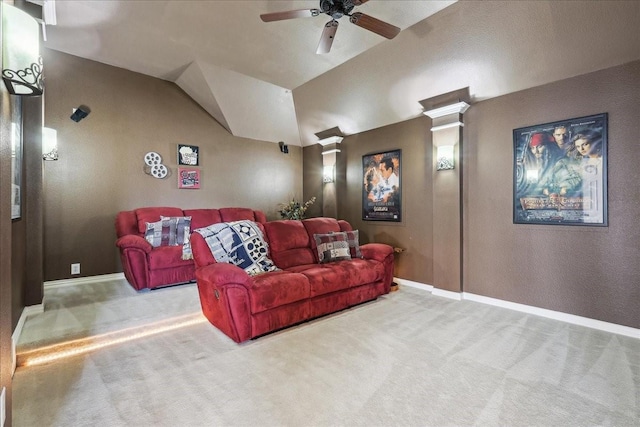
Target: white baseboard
(39,308)
(542,312)
(557,315)
(15,337)
(447,294)
(411,284)
(82,280)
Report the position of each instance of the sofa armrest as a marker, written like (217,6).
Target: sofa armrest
(222,273)
(224,296)
(131,241)
(376,251)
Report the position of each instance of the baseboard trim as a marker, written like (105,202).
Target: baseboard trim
(82,280)
(411,284)
(15,337)
(556,315)
(613,328)
(447,294)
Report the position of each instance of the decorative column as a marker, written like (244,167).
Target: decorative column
(330,152)
(447,182)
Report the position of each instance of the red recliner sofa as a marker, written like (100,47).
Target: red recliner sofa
(146,267)
(245,307)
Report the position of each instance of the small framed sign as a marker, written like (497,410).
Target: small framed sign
(188,155)
(189,178)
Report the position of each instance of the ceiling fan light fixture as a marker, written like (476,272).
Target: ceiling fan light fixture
(336,9)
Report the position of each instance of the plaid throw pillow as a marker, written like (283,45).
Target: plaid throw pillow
(354,244)
(161,233)
(332,247)
(183,228)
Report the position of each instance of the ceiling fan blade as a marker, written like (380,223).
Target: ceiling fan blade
(328,34)
(290,14)
(359,2)
(375,25)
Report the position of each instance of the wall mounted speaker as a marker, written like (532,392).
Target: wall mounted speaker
(283,147)
(80,113)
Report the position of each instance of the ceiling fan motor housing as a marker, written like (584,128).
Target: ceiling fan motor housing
(336,8)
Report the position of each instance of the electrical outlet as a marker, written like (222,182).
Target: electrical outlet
(75,268)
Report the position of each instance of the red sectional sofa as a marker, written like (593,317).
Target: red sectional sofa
(146,267)
(245,307)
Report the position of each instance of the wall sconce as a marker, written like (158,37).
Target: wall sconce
(80,113)
(328,174)
(49,144)
(284,148)
(21,61)
(445,157)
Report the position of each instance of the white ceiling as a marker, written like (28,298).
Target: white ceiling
(264,80)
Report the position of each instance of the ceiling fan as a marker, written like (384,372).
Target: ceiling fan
(336,9)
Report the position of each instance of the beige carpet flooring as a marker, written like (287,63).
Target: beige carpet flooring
(406,359)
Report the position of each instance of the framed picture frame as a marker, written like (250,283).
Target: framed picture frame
(16,157)
(189,178)
(560,172)
(382,189)
(188,155)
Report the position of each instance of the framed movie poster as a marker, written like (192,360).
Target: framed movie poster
(188,155)
(560,172)
(381,191)
(189,178)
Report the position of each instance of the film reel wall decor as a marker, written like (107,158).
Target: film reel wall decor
(154,166)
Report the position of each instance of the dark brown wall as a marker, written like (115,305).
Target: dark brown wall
(100,170)
(312,178)
(6,322)
(32,284)
(586,271)
(414,233)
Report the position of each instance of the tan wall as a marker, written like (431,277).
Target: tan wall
(100,170)
(586,271)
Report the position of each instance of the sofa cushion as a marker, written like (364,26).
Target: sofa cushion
(324,280)
(332,247)
(277,288)
(201,218)
(167,257)
(237,214)
(319,226)
(153,214)
(358,271)
(289,243)
(240,243)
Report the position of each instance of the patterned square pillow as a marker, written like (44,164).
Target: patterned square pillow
(183,228)
(239,243)
(161,233)
(353,238)
(332,247)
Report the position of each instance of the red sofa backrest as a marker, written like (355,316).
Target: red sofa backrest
(319,226)
(203,217)
(289,244)
(135,221)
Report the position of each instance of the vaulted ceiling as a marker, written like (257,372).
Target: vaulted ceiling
(264,80)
